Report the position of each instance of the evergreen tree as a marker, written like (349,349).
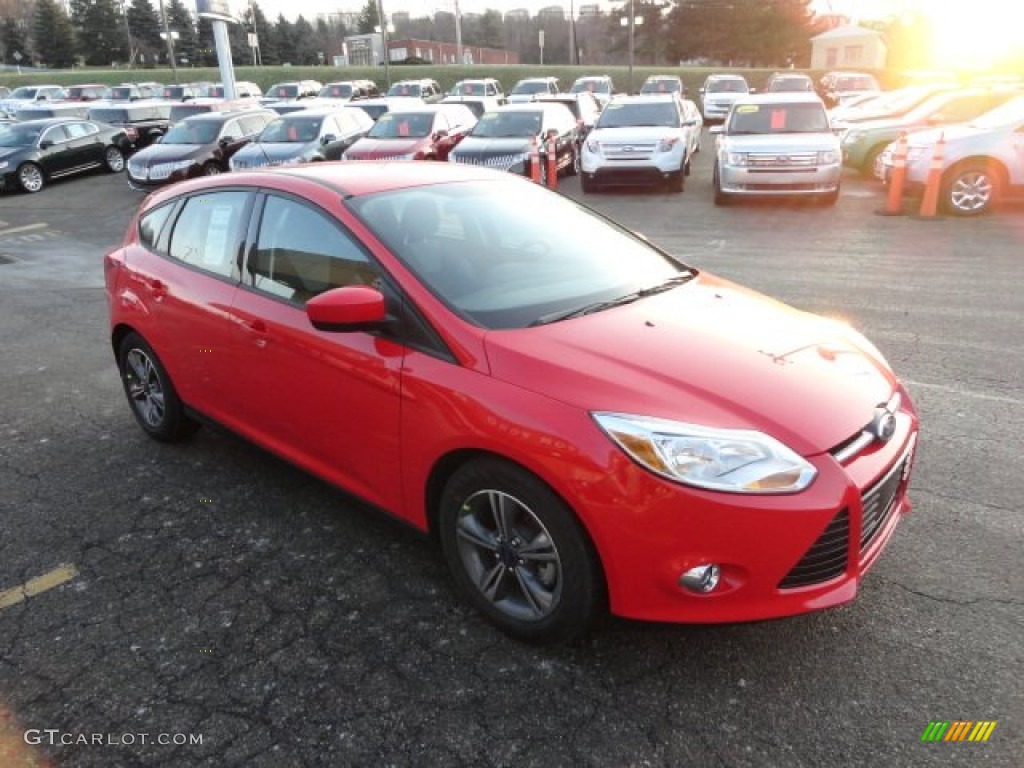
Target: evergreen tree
(267,38)
(304,42)
(99,31)
(284,36)
(12,40)
(180,20)
(54,41)
(145,25)
(368,18)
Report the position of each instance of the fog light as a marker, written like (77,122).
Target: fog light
(701,579)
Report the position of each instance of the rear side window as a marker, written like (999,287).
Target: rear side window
(151,224)
(206,234)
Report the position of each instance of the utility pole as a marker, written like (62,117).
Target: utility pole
(573,53)
(170,43)
(128,31)
(384,41)
(458,34)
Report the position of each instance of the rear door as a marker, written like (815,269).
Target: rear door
(57,158)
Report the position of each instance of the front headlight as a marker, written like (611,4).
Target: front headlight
(828,157)
(729,460)
(667,144)
(736,158)
(3,164)
(852,137)
(593,146)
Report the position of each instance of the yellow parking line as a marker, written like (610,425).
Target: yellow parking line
(59,575)
(26,228)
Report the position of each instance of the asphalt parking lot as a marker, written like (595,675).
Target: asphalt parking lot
(156,593)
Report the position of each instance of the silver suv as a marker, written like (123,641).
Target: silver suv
(777,144)
(983,160)
(718,94)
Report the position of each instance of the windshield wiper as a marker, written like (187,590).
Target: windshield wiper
(629,298)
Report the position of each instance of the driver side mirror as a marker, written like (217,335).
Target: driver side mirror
(347,309)
(441,134)
(227,140)
(328,138)
(45,144)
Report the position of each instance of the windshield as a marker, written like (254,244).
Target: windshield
(19,135)
(402,125)
(374,110)
(593,85)
(1008,114)
(727,86)
(404,89)
(174,92)
(790,84)
(339,91)
(507,125)
(531,86)
(482,249)
(123,93)
(660,113)
(23,93)
(215,92)
(200,132)
(778,118)
(467,88)
(181,111)
(291,130)
(661,86)
(284,92)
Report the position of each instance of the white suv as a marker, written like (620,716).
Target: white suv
(641,140)
(777,144)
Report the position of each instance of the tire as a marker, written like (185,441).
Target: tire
(210,168)
(830,198)
(588,186)
(971,189)
(721,198)
(518,554)
(151,394)
(867,168)
(113,159)
(677,182)
(31,177)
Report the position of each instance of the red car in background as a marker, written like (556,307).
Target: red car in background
(422,132)
(583,422)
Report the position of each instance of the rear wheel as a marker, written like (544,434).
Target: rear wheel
(971,189)
(867,168)
(151,394)
(830,198)
(113,158)
(518,553)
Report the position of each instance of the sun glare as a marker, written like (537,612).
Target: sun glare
(976,35)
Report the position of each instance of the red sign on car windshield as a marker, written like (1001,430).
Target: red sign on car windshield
(778,119)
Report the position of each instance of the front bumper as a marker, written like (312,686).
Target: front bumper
(716,111)
(651,169)
(800,180)
(145,178)
(769,548)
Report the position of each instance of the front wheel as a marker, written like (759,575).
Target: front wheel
(113,158)
(31,178)
(587,185)
(970,190)
(721,198)
(518,553)
(152,396)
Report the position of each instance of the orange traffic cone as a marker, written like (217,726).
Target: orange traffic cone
(552,163)
(930,201)
(534,161)
(894,203)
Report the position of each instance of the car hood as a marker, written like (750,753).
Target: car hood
(479,146)
(168,153)
(710,353)
(724,97)
(6,152)
(273,152)
(637,133)
(374,149)
(950,133)
(783,142)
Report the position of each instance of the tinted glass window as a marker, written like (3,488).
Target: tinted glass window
(79,130)
(659,113)
(402,125)
(56,134)
(252,124)
(207,231)
(300,253)
(151,224)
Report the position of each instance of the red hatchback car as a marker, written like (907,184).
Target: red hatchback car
(583,422)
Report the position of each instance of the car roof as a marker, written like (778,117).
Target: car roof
(226,115)
(655,78)
(646,98)
(536,79)
(726,76)
(46,122)
(314,112)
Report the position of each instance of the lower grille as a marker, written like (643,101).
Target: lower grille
(879,502)
(827,557)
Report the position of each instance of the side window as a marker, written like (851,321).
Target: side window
(232,130)
(151,224)
(206,234)
(77,130)
(301,253)
(56,134)
(251,124)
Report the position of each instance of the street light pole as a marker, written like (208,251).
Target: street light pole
(384,41)
(170,43)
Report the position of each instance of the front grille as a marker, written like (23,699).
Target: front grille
(783,187)
(500,162)
(781,159)
(826,559)
(879,502)
(627,151)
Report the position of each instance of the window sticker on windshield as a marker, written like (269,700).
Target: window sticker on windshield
(612,107)
(748,108)
(215,253)
(778,120)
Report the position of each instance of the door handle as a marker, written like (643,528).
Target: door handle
(157,287)
(253,326)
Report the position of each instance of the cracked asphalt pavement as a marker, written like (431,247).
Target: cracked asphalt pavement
(222,593)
